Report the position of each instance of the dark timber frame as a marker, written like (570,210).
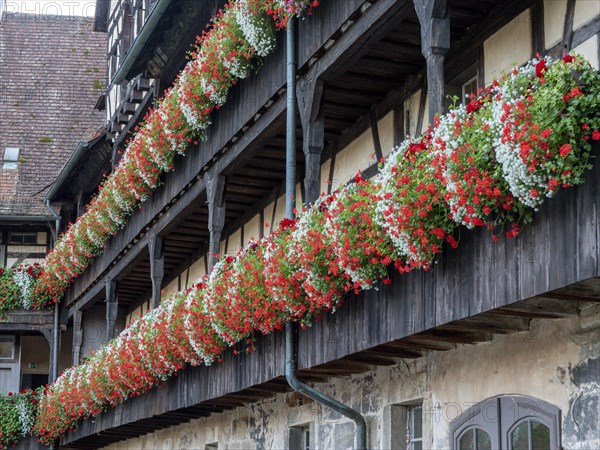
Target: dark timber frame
(435,43)
(215,188)
(112,308)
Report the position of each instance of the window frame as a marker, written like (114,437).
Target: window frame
(13,357)
(410,426)
(297,434)
(499,416)
(12,163)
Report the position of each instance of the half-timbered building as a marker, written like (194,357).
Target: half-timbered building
(495,347)
(52,71)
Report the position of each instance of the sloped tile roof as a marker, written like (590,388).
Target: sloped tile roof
(52,71)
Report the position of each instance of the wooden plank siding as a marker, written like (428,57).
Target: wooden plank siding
(558,249)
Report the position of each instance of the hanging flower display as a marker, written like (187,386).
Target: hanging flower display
(466,170)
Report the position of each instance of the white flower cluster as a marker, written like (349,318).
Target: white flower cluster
(24,282)
(386,213)
(26,411)
(215,277)
(91,233)
(175,144)
(190,329)
(191,115)
(123,204)
(521,181)
(257,28)
(238,66)
(446,143)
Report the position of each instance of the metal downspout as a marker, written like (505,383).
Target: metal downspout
(291,329)
(55,342)
(55,330)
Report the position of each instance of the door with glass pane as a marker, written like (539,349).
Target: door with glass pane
(511,422)
(530,424)
(478,427)
(9,364)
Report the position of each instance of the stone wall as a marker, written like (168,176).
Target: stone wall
(557,361)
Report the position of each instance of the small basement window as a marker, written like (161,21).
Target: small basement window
(299,438)
(11,158)
(405,423)
(7,346)
(414,428)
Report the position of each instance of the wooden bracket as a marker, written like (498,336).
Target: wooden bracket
(538,41)
(215,189)
(77,336)
(310,99)
(375,134)
(112,306)
(435,42)
(310,102)
(157,267)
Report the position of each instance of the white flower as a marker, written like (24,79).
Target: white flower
(257,28)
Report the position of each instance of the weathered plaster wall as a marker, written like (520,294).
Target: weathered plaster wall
(554,21)
(558,361)
(499,56)
(589,49)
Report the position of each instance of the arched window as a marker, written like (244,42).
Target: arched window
(510,422)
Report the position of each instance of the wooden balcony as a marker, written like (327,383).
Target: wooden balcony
(23,321)
(483,288)
(368,56)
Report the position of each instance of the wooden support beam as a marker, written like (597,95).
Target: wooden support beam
(47,332)
(375,134)
(312,116)
(156,248)
(538,40)
(399,125)
(112,308)
(77,337)
(215,189)
(567,40)
(435,42)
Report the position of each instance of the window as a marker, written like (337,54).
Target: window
(213,446)
(414,428)
(26,248)
(403,426)
(23,238)
(461,86)
(507,423)
(469,87)
(11,158)
(299,438)
(7,347)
